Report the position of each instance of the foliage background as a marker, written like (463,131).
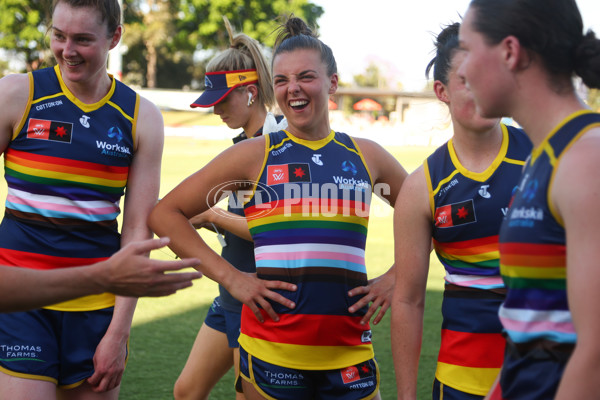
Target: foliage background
(166,42)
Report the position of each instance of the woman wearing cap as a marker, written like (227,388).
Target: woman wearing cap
(307,209)
(521,57)
(238,86)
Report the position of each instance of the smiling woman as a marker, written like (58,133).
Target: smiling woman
(238,87)
(311,242)
(75,140)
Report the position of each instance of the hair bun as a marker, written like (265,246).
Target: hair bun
(587,60)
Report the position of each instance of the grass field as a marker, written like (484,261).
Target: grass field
(165,328)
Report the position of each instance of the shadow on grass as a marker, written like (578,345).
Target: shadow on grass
(159,350)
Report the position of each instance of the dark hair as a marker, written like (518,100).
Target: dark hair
(295,34)
(553,29)
(245,53)
(446,44)
(110,11)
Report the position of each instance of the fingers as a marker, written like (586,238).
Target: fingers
(261,306)
(177,278)
(105,384)
(359,290)
(281,285)
(167,289)
(257,312)
(383,307)
(379,302)
(162,265)
(94,380)
(363,301)
(276,297)
(367,317)
(269,310)
(381,313)
(148,245)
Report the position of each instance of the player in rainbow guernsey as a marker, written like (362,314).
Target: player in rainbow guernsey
(308,218)
(61,178)
(533,265)
(305,321)
(549,239)
(456,200)
(82,139)
(467,210)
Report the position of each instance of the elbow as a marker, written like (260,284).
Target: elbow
(153,219)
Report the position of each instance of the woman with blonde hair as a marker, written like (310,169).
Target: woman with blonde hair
(238,86)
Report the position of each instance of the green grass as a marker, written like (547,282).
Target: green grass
(165,328)
(190,118)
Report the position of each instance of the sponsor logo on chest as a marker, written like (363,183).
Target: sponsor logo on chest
(55,131)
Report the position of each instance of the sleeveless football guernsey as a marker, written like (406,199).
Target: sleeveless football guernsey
(66,169)
(467,210)
(308,217)
(535,313)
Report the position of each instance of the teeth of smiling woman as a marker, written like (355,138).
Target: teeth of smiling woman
(297,103)
(73,62)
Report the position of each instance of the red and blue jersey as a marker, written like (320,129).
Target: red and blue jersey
(66,168)
(308,216)
(467,209)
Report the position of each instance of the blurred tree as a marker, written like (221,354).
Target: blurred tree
(23,26)
(169,41)
(372,77)
(163,38)
(201,22)
(150,24)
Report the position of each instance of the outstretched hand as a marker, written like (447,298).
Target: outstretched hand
(378,292)
(132,273)
(254,293)
(203,220)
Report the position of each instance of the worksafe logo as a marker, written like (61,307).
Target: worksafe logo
(348,166)
(115,133)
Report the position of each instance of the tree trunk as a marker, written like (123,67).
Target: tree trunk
(151,59)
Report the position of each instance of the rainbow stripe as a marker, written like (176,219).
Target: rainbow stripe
(471,263)
(536,305)
(56,188)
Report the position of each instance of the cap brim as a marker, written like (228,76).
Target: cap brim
(211,97)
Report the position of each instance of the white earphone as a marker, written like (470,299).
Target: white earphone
(250,99)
